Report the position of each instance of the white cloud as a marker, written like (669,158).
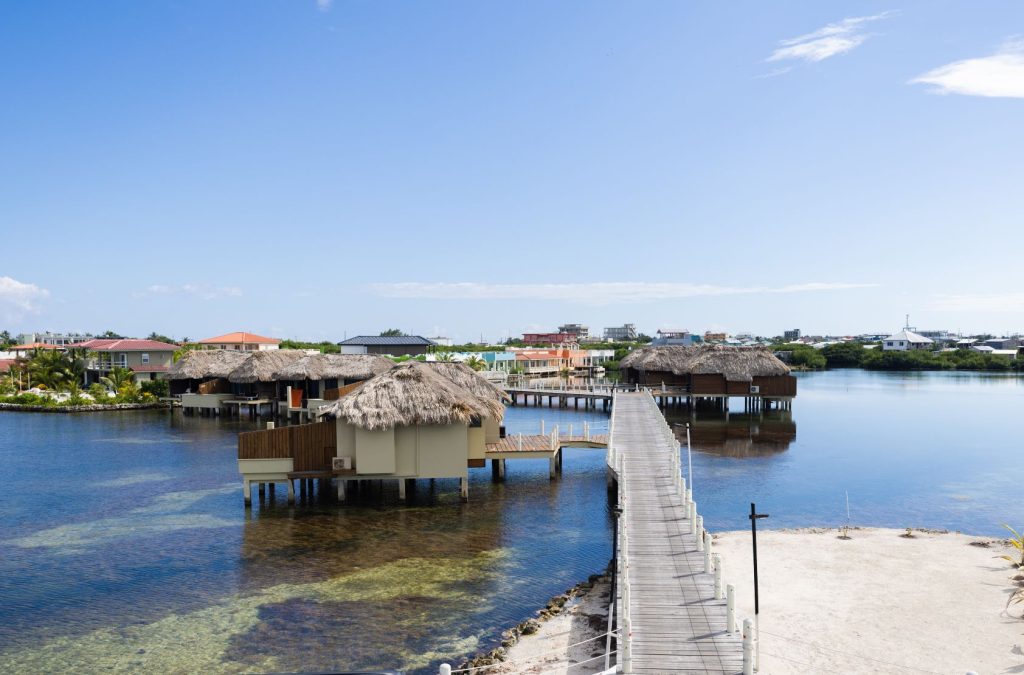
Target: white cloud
(999,75)
(201,291)
(595,293)
(978,302)
(324,5)
(18,298)
(835,38)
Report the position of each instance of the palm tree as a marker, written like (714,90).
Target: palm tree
(444,357)
(476,363)
(49,368)
(117,378)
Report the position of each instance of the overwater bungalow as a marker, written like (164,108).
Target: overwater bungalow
(200,378)
(711,371)
(307,383)
(254,380)
(415,420)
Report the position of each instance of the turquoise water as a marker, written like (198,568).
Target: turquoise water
(127,548)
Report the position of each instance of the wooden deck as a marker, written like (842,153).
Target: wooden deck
(540,445)
(677,625)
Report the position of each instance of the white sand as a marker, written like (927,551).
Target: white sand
(933,603)
(545,651)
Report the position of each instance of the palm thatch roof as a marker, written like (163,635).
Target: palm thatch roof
(261,366)
(666,358)
(467,378)
(334,366)
(408,394)
(737,364)
(203,364)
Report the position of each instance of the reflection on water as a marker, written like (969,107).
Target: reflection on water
(147,561)
(126,547)
(732,435)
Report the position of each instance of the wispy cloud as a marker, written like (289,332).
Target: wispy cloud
(18,298)
(595,293)
(978,302)
(831,40)
(201,291)
(324,5)
(1000,75)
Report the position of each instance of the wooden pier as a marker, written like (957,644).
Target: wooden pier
(671,611)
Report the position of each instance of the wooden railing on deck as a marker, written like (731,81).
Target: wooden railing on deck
(312,446)
(335,394)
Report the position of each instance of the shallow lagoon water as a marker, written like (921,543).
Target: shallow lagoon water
(127,549)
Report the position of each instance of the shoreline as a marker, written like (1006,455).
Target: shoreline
(548,641)
(96,407)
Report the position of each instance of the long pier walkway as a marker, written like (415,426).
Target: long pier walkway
(672,614)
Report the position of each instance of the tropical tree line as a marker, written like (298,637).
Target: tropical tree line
(854,355)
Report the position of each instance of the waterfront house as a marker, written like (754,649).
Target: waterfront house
(147,359)
(393,345)
(256,376)
(624,333)
(241,341)
(1004,343)
(674,336)
(711,370)
(906,340)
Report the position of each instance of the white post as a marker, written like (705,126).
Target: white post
(707,553)
(748,647)
(570,431)
(542,428)
(698,529)
(730,608)
(689,460)
(716,559)
(445,669)
(520,441)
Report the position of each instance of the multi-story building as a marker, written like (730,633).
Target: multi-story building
(624,333)
(581,332)
(55,339)
(548,338)
(673,336)
(148,359)
(240,341)
(715,337)
(791,335)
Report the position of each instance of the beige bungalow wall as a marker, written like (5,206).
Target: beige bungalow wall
(411,452)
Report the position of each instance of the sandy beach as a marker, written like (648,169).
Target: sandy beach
(878,602)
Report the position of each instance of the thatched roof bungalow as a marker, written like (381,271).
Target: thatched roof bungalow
(417,421)
(203,371)
(711,370)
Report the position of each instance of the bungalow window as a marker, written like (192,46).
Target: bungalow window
(145,357)
(475,423)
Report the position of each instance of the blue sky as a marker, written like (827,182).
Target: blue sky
(316,169)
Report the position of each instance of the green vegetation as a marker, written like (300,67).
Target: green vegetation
(392,332)
(324,347)
(5,339)
(854,355)
(60,372)
(160,338)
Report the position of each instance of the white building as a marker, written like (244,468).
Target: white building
(905,340)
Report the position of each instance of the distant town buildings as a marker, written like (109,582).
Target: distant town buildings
(673,336)
(240,341)
(624,333)
(906,340)
(549,338)
(581,332)
(393,345)
(441,341)
(715,337)
(791,335)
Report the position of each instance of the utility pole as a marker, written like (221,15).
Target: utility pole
(754,517)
